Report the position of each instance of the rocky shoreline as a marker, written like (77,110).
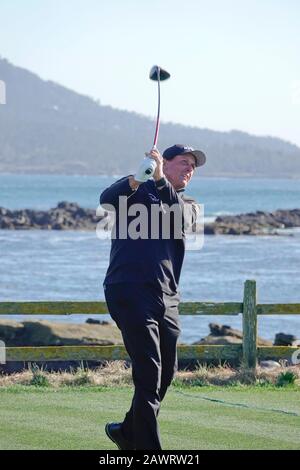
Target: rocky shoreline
(224,334)
(97,332)
(70,216)
(255,223)
(65,216)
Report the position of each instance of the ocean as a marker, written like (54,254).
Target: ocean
(54,265)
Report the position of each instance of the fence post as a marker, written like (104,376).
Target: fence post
(249,325)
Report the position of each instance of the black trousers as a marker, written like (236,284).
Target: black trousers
(149,323)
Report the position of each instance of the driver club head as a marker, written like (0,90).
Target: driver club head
(157,73)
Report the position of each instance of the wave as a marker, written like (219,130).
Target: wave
(209,219)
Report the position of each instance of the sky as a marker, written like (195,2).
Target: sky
(234,64)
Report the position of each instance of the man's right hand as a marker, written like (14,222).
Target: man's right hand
(133,183)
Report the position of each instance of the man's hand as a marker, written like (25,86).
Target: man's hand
(155,154)
(133,183)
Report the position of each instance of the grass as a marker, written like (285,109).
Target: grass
(116,373)
(286,378)
(74,417)
(207,408)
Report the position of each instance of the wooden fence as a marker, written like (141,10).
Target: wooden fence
(248,353)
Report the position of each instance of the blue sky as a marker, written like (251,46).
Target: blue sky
(235,64)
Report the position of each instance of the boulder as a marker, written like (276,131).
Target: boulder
(214,340)
(283,339)
(224,334)
(45,333)
(70,216)
(269,364)
(255,223)
(224,330)
(65,216)
(93,321)
(10,332)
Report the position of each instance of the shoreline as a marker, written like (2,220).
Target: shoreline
(71,216)
(193,329)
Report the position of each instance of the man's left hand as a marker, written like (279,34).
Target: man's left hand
(155,154)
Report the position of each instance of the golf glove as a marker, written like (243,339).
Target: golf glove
(145,170)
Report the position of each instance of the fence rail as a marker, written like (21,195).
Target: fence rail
(247,352)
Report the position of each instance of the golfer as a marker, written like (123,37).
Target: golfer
(141,291)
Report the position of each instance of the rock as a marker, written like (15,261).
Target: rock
(209,229)
(45,333)
(68,206)
(40,218)
(6,223)
(214,340)
(65,216)
(4,212)
(255,223)
(93,321)
(10,332)
(21,220)
(70,216)
(224,334)
(58,226)
(282,339)
(269,364)
(224,330)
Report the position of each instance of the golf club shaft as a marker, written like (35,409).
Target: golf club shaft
(148,165)
(158,111)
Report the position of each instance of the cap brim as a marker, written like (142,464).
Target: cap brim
(199,156)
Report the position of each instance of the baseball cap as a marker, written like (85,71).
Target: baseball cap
(180,149)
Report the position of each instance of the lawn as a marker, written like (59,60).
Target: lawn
(74,418)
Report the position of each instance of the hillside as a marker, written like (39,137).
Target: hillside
(47,128)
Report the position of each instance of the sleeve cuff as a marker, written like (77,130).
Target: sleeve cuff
(161,183)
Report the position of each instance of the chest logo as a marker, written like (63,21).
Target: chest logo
(153,197)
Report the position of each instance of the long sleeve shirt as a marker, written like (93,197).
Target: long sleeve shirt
(156,256)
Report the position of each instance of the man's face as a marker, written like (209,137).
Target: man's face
(180,170)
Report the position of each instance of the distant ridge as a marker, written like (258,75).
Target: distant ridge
(47,128)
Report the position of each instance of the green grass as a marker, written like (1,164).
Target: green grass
(74,417)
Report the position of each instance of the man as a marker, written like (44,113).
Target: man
(141,291)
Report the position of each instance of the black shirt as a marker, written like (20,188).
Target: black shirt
(156,259)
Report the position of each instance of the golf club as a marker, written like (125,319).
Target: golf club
(148,166)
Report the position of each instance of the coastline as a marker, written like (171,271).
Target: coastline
(71,216)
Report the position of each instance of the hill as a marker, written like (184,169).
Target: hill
(47,128)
